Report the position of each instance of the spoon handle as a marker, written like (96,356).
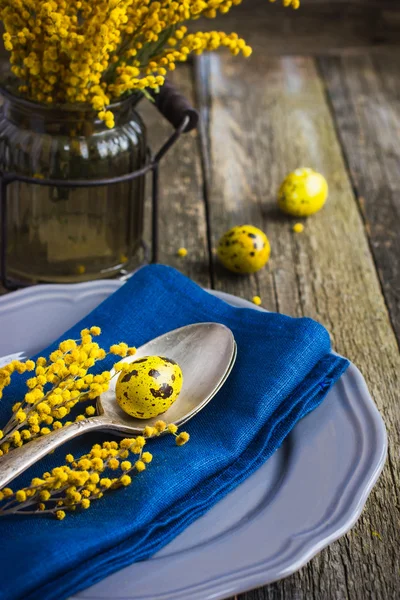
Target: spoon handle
(17,461)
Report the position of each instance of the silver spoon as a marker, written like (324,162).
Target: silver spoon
(206,353)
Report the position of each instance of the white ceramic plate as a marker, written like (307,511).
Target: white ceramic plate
(309,493)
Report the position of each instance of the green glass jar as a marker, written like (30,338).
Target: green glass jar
(65,234)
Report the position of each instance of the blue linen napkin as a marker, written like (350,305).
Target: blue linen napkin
(283,371)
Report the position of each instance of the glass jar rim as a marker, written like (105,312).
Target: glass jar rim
(132,99)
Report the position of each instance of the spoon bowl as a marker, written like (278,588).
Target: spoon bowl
(205,352)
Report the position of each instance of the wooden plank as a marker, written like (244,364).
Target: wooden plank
(268,116)
(182,216)
(364,92)
(317,27)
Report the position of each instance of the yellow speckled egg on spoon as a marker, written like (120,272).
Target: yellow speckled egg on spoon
(206,353)
(149,387)
(192,362)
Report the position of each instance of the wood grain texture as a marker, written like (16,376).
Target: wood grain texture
(364,93)
(182,218)
(317,27)
(266,117)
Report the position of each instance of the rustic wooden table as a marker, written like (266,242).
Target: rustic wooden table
(336,109)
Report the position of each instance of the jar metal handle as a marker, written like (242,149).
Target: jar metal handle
(175,107)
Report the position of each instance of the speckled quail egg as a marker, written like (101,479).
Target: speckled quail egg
(244,249)
(149,387)
(303,193)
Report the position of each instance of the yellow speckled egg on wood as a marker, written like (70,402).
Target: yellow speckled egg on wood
(149,387)
(303,193)
(244,249)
